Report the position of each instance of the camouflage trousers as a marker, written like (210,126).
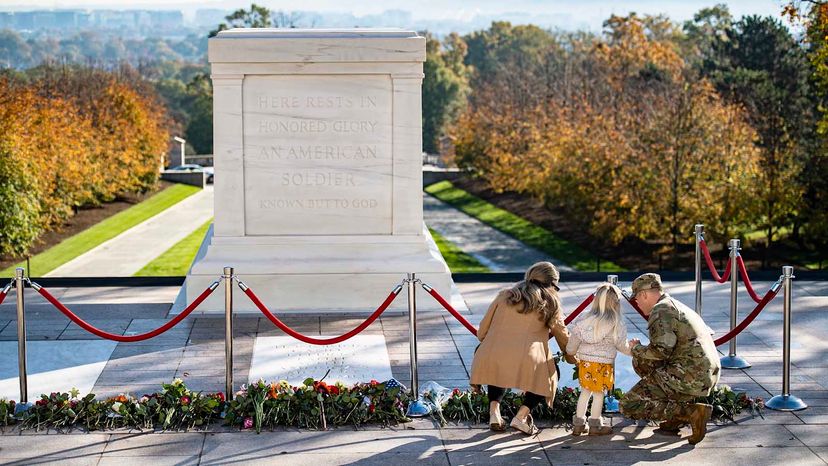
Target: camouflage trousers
(648,400)
(652,400)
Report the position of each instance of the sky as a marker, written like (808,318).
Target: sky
(566,14)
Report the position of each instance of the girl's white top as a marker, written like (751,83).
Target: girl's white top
(597,348)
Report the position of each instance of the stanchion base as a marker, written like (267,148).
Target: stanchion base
(417,409)
(21,408)
(786,403)
(734,362)
(610,405)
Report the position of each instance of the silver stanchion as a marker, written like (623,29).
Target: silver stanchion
(416,408)
(19,277)
(732,361)
(699,236)
(612,279)
(228,331)
(786,401)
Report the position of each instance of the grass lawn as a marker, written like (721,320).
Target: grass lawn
(519,228)
(176,261)
(457,260)
(109,228)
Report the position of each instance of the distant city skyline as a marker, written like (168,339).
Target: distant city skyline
(433,14)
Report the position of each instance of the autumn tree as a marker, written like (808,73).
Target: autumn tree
(445,88)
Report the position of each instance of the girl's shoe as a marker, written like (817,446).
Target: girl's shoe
(597,427)
(527,426)
(496,422)
(579,426)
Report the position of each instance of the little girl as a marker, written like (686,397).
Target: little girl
(596,340)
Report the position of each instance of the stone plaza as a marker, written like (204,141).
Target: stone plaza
(194,351)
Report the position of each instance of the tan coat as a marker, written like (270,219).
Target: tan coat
(514,350)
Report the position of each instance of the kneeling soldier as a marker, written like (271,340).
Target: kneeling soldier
(678,366)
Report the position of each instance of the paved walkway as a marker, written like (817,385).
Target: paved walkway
(130,251)
(194,351)
(492,248)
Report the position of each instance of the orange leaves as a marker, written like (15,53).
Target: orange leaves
(615,133)
(72,137)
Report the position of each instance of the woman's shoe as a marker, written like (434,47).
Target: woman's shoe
(527,426)
(579,426)
(496,422)
(597,427)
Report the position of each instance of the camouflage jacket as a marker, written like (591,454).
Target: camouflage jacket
(681,349)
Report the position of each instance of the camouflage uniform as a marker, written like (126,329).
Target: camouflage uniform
(679,365)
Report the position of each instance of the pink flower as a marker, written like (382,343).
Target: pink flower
(248,423)
(185,400)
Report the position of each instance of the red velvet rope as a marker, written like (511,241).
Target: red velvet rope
(124,338)
(725,275)
(452,310)
(572,315)
(473,330)
(746,279)
(321,341)
(3,296)
(738,329)
(638,309)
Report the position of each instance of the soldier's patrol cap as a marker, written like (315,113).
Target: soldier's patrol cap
(647,281)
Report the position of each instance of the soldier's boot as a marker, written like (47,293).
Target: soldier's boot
(671,427)
(697,416)
(579,426)
(597,427)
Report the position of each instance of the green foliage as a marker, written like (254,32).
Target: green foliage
(471,406)
(19,209)
(457,260)
(315,405)
(312,405)
(727,403)
(445,87)
(517,227)
(175,407)
(189,96)
(756,63)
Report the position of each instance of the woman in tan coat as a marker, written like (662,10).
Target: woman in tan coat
(514,349)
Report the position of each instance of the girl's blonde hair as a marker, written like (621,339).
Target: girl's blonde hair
(606,311)
(538,292)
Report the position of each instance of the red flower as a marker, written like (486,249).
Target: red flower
(185,400)
(219,396)
(371,408)
(456,392)
(373,383)
(334,390)
(41,402)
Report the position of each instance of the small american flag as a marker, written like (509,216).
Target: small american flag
(394,383)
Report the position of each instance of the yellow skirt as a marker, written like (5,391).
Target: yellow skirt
(595,376)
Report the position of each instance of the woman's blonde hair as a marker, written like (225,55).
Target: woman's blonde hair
(538,292)
(606,311)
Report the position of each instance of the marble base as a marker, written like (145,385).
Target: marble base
(312,274)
